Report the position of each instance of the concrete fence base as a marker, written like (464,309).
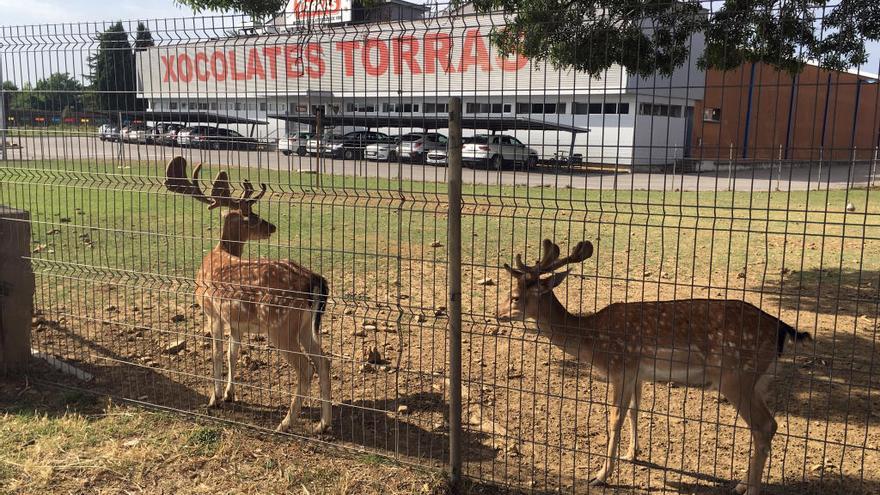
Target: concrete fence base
(16,289)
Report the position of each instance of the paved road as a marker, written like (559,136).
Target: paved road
(799,178)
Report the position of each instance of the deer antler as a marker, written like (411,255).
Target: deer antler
(550,259)
(221,192)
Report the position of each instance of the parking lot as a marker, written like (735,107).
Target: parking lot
(42,145)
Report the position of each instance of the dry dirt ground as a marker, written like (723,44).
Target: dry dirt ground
(535,420)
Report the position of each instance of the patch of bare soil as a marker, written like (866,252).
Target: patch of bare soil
(534,419)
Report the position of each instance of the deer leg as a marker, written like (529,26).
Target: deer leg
(633,450)
(751,408)
(303,368)
(312,345)
(216,325)
(621,395)
(231,361)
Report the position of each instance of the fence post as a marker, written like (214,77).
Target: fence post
(454,235)
(319,130)
(4,122)
(16,289)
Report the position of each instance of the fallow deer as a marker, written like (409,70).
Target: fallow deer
(728,344)
(276,297)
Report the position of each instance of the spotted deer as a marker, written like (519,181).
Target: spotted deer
(728,344)
(276,297)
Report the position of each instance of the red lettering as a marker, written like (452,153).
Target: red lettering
(202,63)
(405,50)
(381,65)
(184,68)
(170,75)
(316,61)
(254,68)
(218,65)
(514,65)
(437,48)
(347,48)
(293,61)
(474,52)
(271,53)
(233,68)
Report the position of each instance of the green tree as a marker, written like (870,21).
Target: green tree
(143,38)
(257,9)
(114,79)
(656,36)
(57,92)
(9,90)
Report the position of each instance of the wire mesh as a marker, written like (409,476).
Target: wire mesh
(748,185)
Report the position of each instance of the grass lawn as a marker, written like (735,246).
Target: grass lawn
(63,441)
(115,255)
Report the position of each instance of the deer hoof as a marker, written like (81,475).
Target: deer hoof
(283,426)
(597,480)
(631,455)
(213,402)
(743,488)
(321,427)
(229,396)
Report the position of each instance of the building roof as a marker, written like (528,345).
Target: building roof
(189,117)
(489,123)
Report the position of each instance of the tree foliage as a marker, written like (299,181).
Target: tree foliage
(257,9)
(656,36)
(57,92)
(113,76)
(143,38)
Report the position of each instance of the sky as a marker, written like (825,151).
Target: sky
(18,12)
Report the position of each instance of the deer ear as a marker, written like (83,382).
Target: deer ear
(554,280)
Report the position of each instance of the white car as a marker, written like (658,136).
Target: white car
(497,150)
(415,146)
(436,157)
(139,134)
(381,151)
(295,143)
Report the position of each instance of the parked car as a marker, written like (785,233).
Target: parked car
(382,151)
(165,133)
(215,138)
(352,144)
(139,133)
(415,146)
(295,143)
(497,150)
(438,156)
(107,132)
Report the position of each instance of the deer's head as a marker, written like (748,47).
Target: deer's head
(240,223)
(532,283)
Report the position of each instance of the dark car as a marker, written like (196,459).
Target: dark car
(166,134)
(352,145)
(215,138)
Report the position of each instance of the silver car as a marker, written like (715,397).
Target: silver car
(295,143)
(497,150)
(415,146)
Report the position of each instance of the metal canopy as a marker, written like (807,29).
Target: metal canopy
(489,123)
(189,117)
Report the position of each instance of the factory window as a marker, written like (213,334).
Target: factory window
(203,106)
(213,105)
(400,107)
(539,108)
(712,115)
(623,108)
(658,110)
(172,105)
(237,106)
(263,106)
(436,108)
(359,107)
(472,107)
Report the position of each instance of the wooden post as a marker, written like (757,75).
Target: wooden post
(16,289)
(453,156)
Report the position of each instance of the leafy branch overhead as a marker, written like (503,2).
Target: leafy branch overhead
(656,36)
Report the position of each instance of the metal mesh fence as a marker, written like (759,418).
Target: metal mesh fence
(708,188)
